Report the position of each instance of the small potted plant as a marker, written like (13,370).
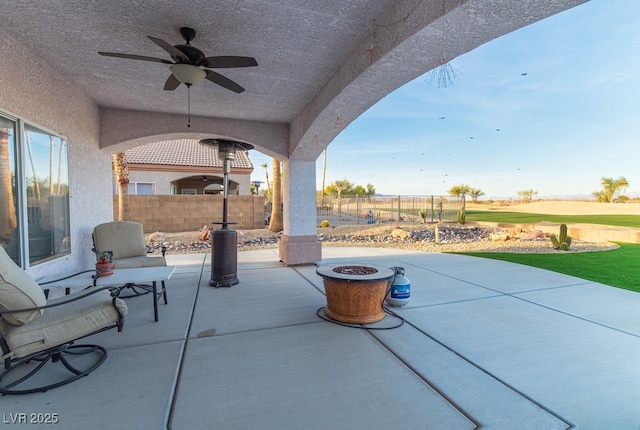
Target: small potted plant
(105,264)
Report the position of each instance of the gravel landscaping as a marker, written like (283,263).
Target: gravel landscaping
(412,236)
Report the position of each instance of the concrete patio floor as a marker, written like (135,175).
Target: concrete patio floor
(486,344)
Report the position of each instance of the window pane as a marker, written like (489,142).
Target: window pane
(145,188)
(9,232)
(47,186)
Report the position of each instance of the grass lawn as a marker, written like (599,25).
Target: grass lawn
(529,218)
(618,268)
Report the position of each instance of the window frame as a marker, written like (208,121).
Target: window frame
(20,158)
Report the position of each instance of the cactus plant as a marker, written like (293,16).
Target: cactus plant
(561,242)
(462,216)
(424,214)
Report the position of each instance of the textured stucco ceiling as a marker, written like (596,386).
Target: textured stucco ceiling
(316,57)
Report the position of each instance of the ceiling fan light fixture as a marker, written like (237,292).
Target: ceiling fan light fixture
(188,74)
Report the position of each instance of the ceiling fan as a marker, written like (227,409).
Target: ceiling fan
(189,65)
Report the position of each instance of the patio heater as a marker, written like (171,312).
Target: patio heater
(256,185)
(224,241)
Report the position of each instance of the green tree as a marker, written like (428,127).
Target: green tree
(371,190)
(527,195)
(474,193)
(459,190)
(610,187)
(359,190)
(339,187)
(345,187)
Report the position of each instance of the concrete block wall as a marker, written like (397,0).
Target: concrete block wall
(176,213)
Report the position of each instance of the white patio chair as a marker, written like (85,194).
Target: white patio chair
(125,239)
(35,332)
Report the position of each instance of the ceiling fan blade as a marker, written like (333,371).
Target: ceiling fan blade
(172,50)
(217,78)
(134,57)
(172,83)
(227,62)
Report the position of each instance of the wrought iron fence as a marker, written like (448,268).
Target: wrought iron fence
(349,210)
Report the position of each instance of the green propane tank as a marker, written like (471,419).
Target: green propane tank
(400,291)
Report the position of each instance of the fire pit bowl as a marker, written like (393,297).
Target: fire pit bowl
(355,292)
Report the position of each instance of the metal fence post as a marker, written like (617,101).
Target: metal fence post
(431,207)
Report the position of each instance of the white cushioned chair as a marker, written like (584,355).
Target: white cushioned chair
(34,331)
(125,239)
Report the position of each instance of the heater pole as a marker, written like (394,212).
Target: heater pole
(224,241)
(225,192)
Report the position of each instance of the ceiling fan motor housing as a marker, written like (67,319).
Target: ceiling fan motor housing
(194,55)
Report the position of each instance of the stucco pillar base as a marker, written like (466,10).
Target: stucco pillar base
(300,249)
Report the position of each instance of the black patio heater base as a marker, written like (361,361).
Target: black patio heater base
(224,257)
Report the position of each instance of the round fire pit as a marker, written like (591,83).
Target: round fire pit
(355,292)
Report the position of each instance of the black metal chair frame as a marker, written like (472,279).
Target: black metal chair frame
(57,353)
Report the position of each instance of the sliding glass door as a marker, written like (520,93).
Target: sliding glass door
(34,175)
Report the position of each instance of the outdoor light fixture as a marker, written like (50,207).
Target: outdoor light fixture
(224,242)
(188,74)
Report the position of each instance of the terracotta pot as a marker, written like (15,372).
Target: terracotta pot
(104,269)
(355,293)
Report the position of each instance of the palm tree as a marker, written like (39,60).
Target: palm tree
(275,223)
(474,193)
(36,184)
(122,179)
(324,176)
(610,188)
(460,190)
(52,146)
(266,172)
(8,220)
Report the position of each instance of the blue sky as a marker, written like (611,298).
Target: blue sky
(552,107)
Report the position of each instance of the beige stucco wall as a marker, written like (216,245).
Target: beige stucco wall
(33,92)
(178,213)
(163,179)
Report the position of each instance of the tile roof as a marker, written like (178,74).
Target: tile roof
(183,152)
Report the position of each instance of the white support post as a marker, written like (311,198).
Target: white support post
(299,243)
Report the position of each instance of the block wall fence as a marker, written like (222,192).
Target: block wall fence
(176,213)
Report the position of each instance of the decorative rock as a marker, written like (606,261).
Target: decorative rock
(531,235)
(400,234)
(499,237)
(453,238)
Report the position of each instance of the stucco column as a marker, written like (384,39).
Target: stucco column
(299,243)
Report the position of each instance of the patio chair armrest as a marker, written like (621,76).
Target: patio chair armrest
(115,292)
